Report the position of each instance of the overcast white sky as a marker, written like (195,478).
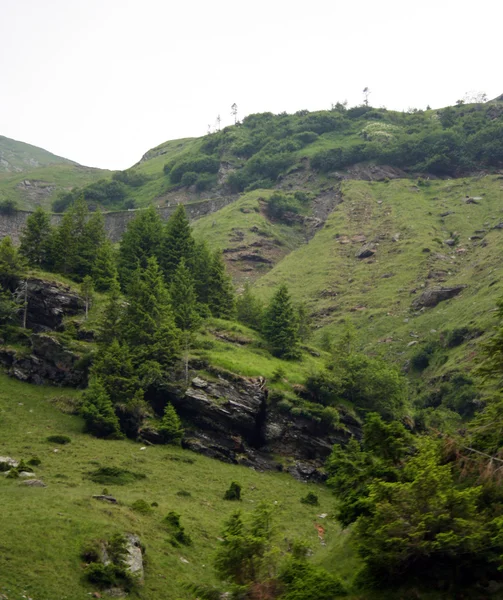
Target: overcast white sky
(102,81)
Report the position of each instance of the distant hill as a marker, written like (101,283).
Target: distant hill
(16,157)
(32,176)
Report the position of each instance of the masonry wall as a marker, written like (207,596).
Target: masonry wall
(115,222)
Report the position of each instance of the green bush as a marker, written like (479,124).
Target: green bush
(59,439)
(311,498)
(198,164)
(34,461)
(205,181)
(8,207)
(188,178)
(234,492)
(171,428)
(307,582)
(141,506)
(178,536)
(114,476)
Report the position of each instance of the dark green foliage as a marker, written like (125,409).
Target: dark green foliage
(59,439)
(98,412)
(234,492)
(201,273)
(178,536)
(36,238)
(202,164)
(114,573)
(110,326)
(220,291)
(184,494)
(171,427)
(141,241)
(132,412)
(310,498)
(104,268)
(206,181)
(114,368)
(249,309)
(8,207)
(114,476)
(141,506)
(307,582)
(188,178)
(281,328)
(11,264)
(279,205)
(130,177)
(106,193)
(34,461)
(9,308)
(177,243)
(184,299)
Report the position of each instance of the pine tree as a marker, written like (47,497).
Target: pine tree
(171,427)
(220,290)
(177,243)
(67,237)
(281,328)
(132,413)
(141,241)
(98,411)
(104,270)
(183,298)
(114,368)
(11,264)
(249,309)
(36,238)
(89,243)
(110,327)
(149,324)
(201,270)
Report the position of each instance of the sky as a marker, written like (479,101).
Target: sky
(103,81)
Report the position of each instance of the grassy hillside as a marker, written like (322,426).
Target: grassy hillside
(44,529)
(407,225)
(17,156)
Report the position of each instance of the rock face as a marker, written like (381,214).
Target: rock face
(48,303)
(433,296)
(48,362)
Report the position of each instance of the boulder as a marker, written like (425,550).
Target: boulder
(6,463)
(49,302)
(33,483)
(432,296)
(134,558)
(366,251)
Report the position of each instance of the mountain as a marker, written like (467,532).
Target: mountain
(32,176)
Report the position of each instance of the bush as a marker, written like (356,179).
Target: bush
(114,476)
(141,506)
(184,494)
(311,498)
(202,164)
(59,439)
(178,536)
(8,207)
(171,428)
(205,182)
(188,178)
(34,461)
(234,492)
(307,582)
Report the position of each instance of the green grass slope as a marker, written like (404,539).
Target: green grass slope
(377,293)
(17,156)
(43,529)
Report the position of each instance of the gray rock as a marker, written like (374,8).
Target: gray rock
(33,483)
(432,296)
(199,382)
(450,242)
(134,558)
(27,475)
(366,251)
(6,463)
(105,498)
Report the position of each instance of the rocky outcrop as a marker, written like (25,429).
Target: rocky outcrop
(366,251)
(48,362)
(49,302)
(432,296)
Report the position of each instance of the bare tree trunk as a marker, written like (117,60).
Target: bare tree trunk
(25,311)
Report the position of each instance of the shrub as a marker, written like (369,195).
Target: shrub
(178,536)
(8,207)
(184,494)
(34,461)
(59,439)
(171,428)
(188,178)
(141,506)
(234,492)
(307,582)
(205,182)
(114,476)
(311,498)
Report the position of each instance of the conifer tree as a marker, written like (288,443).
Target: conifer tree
(177,243)
(201,270)
(67,237)
(36,238)
(249,309)
(110,327)
(171,427)
(184,299)
(220,290)
(114,368)
(149,324)
(98,411)
(89,243)
(11,264)
(281,328)
(104,270)
(141,241)
(132,413)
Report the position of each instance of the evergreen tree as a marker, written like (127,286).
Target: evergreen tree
(183,298)
(177,243)
(132,413)
(36,238)
(11,264)
(220,290)
(112,322)
(88,244)
(67,237)
(114,368)
(141,241)
(149,324)
(281,328)
(98,411)
(87,289)
(249,309)
(201,270)
(104,269)
(8,308)
(171,427)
